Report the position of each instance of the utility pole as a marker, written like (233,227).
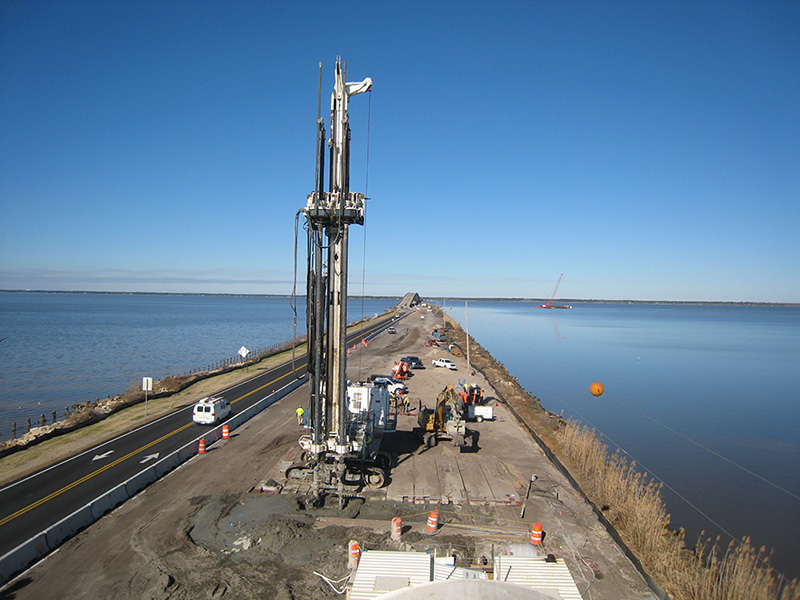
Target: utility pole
(466,308)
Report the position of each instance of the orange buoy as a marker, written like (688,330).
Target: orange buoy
(596,388)
(536,534)
(202,448)
(226,432)
(397,528)
(433,521)
(353,554)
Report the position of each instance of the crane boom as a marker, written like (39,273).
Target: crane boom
(553,297)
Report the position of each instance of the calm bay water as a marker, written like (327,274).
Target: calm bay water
(61,349)
(706,398)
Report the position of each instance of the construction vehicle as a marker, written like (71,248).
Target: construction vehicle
(444,422)
(400,370)
(341,454)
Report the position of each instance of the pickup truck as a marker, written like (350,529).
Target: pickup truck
(391,383)
(413,361)
(444,362)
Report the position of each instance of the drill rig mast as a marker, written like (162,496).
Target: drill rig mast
(341,451)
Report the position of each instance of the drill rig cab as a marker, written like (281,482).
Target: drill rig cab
(341,453)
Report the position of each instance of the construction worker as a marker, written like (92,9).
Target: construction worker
(300,415)
(406,401)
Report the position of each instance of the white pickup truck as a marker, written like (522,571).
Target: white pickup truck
(444,362)
(390,384)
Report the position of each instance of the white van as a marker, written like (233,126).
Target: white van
(211,410)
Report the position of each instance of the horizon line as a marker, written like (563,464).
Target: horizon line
(400,296)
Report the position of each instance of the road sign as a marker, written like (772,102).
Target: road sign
(147,386)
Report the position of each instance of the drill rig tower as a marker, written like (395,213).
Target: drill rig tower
(340,453)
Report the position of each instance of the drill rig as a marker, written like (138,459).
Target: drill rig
(341,453)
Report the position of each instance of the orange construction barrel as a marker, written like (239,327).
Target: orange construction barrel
(536,534)
(433,521)
(353,554)
(397,528)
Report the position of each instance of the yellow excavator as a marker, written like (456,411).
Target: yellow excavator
(444,422)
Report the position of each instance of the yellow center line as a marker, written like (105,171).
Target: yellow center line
(86,478)
(258,389)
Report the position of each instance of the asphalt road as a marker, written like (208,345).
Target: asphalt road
(34,503)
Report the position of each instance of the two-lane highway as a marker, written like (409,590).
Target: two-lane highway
(34,503)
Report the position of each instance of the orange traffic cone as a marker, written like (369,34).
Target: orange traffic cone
(536,534)
(433,521)
(202,448)
(226,432)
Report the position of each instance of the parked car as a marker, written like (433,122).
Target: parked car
(391,330)
(413,361)
(444,362)
(209,411)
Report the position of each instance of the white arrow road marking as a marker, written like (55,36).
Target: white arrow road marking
(99,456)
(149,457)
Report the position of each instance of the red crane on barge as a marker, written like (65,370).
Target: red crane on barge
(550,304)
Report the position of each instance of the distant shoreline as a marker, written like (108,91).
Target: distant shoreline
(432,298)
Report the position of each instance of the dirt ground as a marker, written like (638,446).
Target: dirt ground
(202,532)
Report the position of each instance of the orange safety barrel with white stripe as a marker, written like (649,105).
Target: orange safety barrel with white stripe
(353,554)
(397,528)
(433,521)
(536,534)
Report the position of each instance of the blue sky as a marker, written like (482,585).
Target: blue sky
(648,150)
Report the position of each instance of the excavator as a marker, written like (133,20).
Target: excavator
(444,422)
(341,453)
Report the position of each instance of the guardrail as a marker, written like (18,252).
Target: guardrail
(41,544)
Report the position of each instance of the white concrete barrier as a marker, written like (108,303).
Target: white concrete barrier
(69,526)
(186,452)
(140,481)
(166,464)
(18,559)
(112,498)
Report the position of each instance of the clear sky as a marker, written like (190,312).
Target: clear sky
(647,149)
